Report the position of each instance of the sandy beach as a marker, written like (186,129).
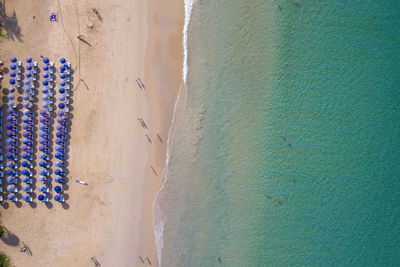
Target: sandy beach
(122,162)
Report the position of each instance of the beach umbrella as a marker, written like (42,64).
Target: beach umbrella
(26,180)
(45,75)
(43,135)
(29,67)
(45,68)
(61,106)
(10,97)
(10,111)
(26,104)
(28,74)
(63,76)
(58,155)
(60,120)
(10,179)
(11,104)
(59,141)
(25,172)
(11,188)
(11,89)
(46,60)
(12,81)
(27,82)
(11,149)
(60,180)
(13,66)
(42,179)
(60,149)
(60,135)
(10,126)
(10,164)
(9,156)
(25,164)
(27,188)
(26,198)
(43,156)
(10,118)
(27,89)
(57,171)
(42,127)
(43,198)
(25,155)
(62,98)
(42,148)
(13,59)
(62,60)
(28,59)
(43,141)
(9,133)
(25,97)
(27,134)
(43,112)
(26,142)
(26,112)
(13,74)
(45,97)
(58,198)
(10,142)
(60,113)
(26,126)
(62,68)
(12,197)
(45,82)
(60,164)
(43,119)
(25,148)
(43,172)
(62,83)
(43,189)
(45,90)
(26,120)
(61,90)
(9,172)
(45,105)
(42,164)
(58,189)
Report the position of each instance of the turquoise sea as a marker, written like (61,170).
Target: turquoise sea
(285,146)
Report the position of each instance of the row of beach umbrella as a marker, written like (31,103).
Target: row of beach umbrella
(31,75)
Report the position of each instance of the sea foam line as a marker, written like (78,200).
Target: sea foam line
(159,217)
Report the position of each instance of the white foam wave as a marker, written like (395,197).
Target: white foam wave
(188,13)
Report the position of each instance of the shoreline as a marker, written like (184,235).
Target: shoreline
(112,218)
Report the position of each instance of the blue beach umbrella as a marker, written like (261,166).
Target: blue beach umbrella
(27,89)
(42,148)
(28,59)
(62,83)
(43,120)
(11,89)
(62,75)
(10,97)
(45,105)
(10,111)
(62,98)
(60,164)
(58,155)
(13,59)
(43,113)
(61,106)
(9,156)
(45,97)
(43,198)
(60,180)
(62,60)
(28,74)
(62,68)
(61,121)
(11,104)
(60,113)
(43,156)
(26,120)
(25,164)
(43,135)
(60,135)
(61,90)
(9,133)
(58,189)
(13,66)
(43,141)
(25,172)
(11,197)
(45,82)
(59,141)
(10,164)
(26,180)
(46,60)
(42,164)
(29,67)
(27,188)
(43,172)
(26,198)
(27,82)
(45,75)
(12,81)
(45,90)
(13,74)
(43,189)
(45,68)
(9,172)
(57,171)
(58,198)
(26,104)
(9,126)
(11,188)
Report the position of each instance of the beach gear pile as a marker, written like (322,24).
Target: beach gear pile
(21,156)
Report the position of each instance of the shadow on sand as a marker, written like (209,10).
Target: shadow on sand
(9,24)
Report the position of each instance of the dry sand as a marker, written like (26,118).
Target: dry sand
(111,218)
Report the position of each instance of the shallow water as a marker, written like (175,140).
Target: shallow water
(297,100)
